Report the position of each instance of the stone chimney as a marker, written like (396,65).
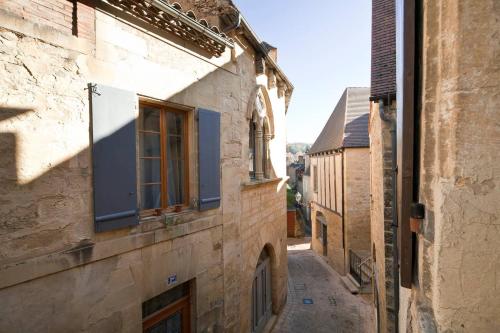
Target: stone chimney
(272,52)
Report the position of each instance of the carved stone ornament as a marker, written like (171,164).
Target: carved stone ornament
(175,22)
(260,106)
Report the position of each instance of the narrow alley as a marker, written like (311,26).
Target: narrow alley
(249,166)
(332,308)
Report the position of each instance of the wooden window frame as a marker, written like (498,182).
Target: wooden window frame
(165,107)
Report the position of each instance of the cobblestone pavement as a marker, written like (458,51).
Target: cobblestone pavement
(334,308)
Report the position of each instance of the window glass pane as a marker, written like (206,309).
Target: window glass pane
(175,182)
(149,119)
(175,158)
(150,196)
(149,145)
(175,149)
(174,323)
(175,123)
(150,170)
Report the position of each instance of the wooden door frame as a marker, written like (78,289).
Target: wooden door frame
(182,304)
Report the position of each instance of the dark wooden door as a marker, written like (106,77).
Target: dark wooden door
(261,296)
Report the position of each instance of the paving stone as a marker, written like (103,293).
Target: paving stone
(334,308)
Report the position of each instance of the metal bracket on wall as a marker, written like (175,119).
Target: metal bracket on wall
(417,215)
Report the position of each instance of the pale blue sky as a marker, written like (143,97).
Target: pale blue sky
(323,47)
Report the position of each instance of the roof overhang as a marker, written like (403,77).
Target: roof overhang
(270,63)
(170,18)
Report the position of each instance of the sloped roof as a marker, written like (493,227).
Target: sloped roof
(348,124)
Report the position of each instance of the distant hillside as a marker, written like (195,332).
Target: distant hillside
(298,147)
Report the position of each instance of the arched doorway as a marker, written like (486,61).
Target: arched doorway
(261,293)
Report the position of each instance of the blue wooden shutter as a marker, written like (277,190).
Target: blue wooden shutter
(209,159)
(114,157)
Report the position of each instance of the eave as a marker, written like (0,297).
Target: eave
(170,18)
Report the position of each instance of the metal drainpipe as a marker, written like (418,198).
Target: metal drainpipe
(394,225)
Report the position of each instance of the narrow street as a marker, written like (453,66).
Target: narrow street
(333,310)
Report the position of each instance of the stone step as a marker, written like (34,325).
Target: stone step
(351,284)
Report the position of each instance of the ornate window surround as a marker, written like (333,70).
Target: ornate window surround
(260,115)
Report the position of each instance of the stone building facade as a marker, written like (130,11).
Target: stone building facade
(381,131)
(447,170)
(454,285)
(69,269)
(339,160)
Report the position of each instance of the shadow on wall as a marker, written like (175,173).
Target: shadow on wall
(353,131)
(234,115)
(54,211)
(33,214)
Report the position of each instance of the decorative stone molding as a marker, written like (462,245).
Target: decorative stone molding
(170,18)
(271,79)
(260,65)
(268,116)
(259,111)
(281,89)
(288,96)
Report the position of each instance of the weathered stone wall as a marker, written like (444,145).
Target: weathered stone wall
(53,268)
(357,200)
(335,242)
(107,295)
(459,249)
(57,14)
(380,216)
(263,225)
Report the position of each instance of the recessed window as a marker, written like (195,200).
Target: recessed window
(162,157)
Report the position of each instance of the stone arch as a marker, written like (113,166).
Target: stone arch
(261,132)
(268,249)
(260,90)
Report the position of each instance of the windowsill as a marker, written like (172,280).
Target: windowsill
(165,216)
(257,183)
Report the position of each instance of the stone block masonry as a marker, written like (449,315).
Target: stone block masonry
(73,18)
(381,216)
(54,269)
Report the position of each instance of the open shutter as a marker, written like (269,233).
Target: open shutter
(113,157)
(209,159)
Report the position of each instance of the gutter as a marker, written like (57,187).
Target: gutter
(162,5)
(257,43)
(241,22)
